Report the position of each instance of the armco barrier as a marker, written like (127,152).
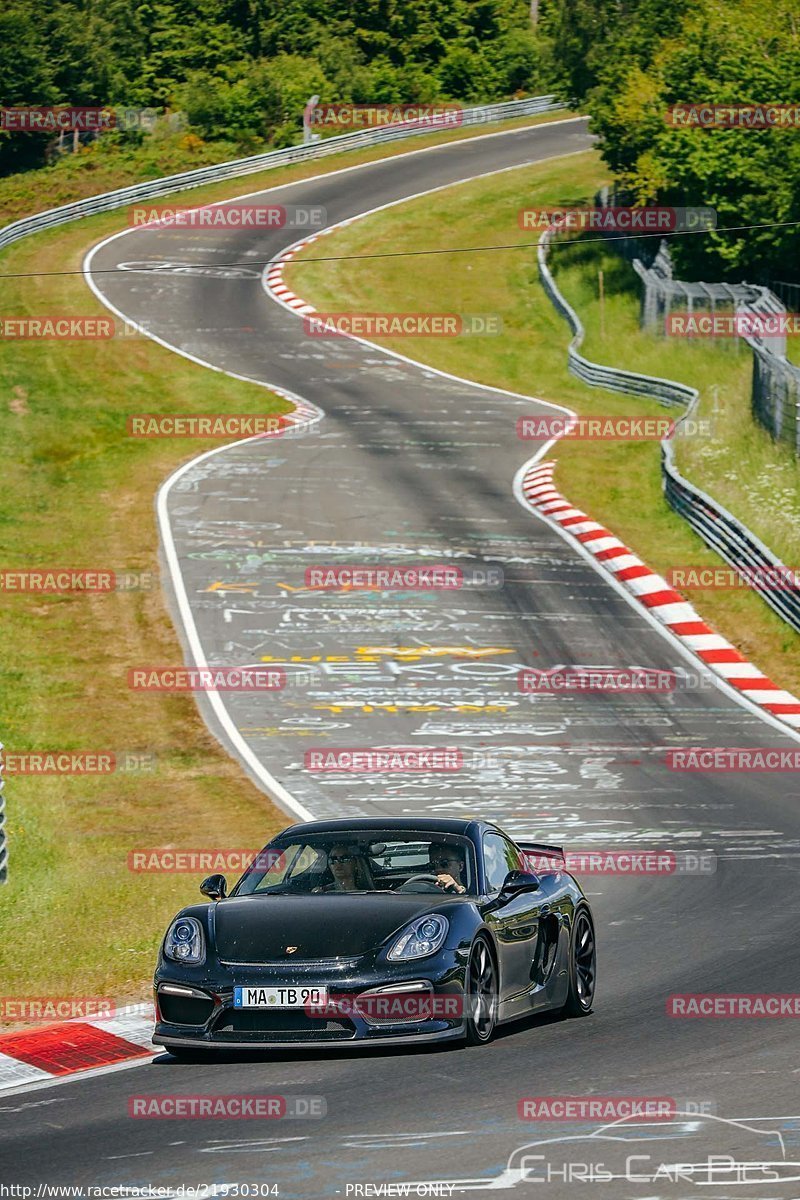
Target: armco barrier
(479,115)
(718,528)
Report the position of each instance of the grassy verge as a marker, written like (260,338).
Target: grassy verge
(618,483)
(95,168)
(78,493)
(73,920)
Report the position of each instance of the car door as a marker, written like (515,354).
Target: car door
(515,924)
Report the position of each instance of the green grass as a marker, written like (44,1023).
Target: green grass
(73,920)
(617,483)
(77,492)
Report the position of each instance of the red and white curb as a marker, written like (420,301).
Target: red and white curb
(652,591)
(69,1047)
(273,276)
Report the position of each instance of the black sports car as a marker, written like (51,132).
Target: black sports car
(377,931)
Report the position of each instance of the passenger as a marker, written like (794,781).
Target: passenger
(349,870)
(447,864)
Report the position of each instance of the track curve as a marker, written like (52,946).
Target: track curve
(409,463)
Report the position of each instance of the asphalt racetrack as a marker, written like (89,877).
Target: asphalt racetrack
(406,465)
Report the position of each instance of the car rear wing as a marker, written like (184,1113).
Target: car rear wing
(540,857)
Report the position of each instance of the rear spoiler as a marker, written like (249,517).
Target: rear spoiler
(542,857)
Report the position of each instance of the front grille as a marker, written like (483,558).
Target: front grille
(185,1010)
(289,1025)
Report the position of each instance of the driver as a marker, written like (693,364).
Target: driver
(447,864)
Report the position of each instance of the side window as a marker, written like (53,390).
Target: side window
(499,857)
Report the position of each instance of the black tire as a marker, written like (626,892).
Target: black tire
(481,994)
(582,966)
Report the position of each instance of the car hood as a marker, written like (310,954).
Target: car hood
(252,929)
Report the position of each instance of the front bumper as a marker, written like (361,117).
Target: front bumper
(196,1012)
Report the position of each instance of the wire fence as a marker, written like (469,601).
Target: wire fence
(718,528)
(775,387)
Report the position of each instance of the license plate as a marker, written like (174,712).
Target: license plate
(279,997)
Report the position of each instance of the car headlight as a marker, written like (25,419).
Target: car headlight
(422,937)
(184,941)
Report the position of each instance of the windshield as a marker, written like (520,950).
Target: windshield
(340,861)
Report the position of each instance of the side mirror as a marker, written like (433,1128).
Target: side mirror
(517,882)
(214,887)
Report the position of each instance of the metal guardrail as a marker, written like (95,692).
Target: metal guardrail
(718,528)
(106,201)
